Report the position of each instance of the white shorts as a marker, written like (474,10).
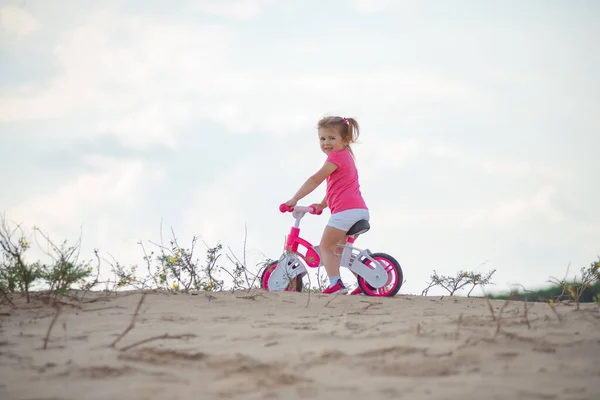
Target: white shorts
(345,219)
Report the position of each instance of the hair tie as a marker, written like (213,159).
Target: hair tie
(346,121)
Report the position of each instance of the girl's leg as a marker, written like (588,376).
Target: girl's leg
(330,253)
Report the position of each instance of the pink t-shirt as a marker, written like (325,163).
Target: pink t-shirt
(343,190)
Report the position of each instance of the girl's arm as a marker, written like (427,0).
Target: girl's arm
(312,183)
(324,202)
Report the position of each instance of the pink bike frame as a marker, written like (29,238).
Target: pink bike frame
(294,241)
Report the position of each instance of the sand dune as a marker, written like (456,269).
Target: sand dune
(258,345)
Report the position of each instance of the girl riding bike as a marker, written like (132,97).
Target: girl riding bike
(343,195)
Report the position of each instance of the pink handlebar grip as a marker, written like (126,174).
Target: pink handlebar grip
(284,207)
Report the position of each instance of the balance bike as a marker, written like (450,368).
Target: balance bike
(379,274)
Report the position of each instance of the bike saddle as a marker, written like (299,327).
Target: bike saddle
(359,228)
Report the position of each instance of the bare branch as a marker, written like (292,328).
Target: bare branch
(161,337)
(58,312)
(131,323)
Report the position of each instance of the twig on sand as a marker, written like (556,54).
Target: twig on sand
(101,308)
(526,307)
(58,311)
(471,341)
(210,297)
(161,337)
(491,308)
(47,299)
(308,298)
(131,323)
(334,297)
(251,297)
(499,325)
(370,304)
(308,293)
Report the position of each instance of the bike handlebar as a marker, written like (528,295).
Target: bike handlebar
(285,208)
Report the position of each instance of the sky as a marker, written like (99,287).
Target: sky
(479,127)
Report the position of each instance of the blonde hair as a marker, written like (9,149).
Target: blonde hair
(347,127)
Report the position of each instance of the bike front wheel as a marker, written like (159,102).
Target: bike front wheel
(295,285)
(395,277)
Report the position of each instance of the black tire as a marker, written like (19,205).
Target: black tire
(299,280)
(363,284)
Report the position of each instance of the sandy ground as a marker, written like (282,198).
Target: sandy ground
(258,345)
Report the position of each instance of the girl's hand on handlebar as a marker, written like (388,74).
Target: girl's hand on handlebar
(284,207)
(318,207)
(291,203)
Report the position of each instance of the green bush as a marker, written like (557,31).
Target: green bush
(172,267)
(586,289)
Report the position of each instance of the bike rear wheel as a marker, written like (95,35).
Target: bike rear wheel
(295,285)
(395,277)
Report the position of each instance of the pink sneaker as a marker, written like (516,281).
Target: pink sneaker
(356,291)
(338,287)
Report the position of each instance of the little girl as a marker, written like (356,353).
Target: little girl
(343,196)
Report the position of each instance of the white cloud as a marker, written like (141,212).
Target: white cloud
(520,168)
(514,212)
(155,123)
(157,70)
(386,154)
(264,102)
(501,215)
(149,68)
(99,201)
(88,192)
(486,163)
(369,6)
(17,22)
(236,9)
